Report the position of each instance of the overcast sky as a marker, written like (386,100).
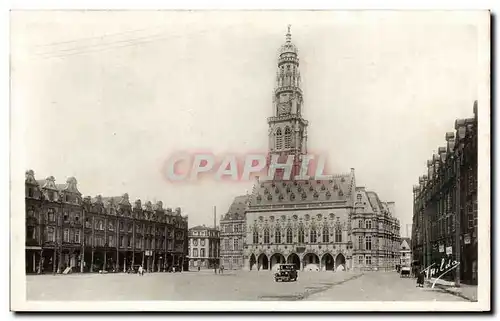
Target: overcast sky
(107,97)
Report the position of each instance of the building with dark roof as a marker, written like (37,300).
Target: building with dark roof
(232,233)
(308,222)
(375,232)
(66,230)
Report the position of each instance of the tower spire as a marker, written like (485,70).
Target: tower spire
(287,128)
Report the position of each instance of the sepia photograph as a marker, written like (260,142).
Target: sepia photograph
(183,160)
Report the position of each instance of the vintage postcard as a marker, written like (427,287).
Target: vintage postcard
(282,160)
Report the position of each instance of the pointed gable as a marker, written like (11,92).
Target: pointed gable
(30,178)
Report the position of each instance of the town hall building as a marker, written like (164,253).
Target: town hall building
(309,222)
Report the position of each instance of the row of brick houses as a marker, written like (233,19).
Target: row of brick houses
(66,230)
(445,204)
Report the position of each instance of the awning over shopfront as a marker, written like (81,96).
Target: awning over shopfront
(33,247)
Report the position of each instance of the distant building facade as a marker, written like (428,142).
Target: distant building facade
(375,232)
(233,234)
(204,247)
(66,230)
(405,257)
(445,204)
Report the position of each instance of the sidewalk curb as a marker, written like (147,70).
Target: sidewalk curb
(446,289)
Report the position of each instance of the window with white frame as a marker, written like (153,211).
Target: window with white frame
(277,236)
(301,235)
(326,235)
(288,137)
(360,242)
(338,235)
(368,242)
(255,237)
(279,139)
(289,236)
(66,235)
(51,235)
(312,235)
(266,236)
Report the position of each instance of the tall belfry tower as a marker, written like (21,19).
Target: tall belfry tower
(287,128)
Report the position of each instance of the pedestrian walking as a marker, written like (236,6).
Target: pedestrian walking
(140,270)
(420,277)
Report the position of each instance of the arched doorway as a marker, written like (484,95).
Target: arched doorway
(252,262)
(277,258)
(340,262)
(294,259)
(262,262)
(311,262)
(327,262)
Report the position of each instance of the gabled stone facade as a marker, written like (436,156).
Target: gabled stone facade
(64,229)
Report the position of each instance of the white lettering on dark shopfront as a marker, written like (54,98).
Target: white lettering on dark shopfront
(445,267)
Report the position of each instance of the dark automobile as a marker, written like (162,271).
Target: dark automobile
(286,272)
(174,268)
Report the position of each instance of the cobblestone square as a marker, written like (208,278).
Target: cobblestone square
(230,286)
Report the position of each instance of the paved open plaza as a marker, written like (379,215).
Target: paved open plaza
(232,285)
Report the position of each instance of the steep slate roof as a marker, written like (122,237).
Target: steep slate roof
(408,241)
(201,227)
(49,183)
(297,192)
(237,209)
(375,202)
(108,199)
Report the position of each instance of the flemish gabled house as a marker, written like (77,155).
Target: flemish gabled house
(53,224)
(103,233)
(445,204)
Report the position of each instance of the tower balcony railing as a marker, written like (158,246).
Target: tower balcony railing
(287,88)
(288,58)
(286,117)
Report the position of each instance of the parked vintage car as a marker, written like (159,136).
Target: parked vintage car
(405,271)
(286,272)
